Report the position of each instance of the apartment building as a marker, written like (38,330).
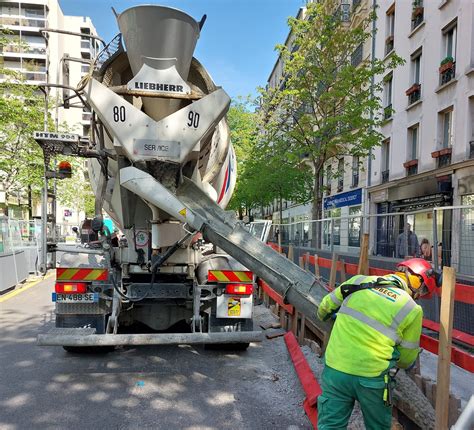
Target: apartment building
(60,58)
(426,158)
(345,191)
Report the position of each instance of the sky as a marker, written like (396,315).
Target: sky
(237,42)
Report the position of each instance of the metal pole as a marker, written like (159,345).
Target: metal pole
(435,240)
(405,229)
(332,235)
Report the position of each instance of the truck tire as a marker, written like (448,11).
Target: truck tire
(89,349)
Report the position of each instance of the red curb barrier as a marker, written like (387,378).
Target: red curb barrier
(309,383)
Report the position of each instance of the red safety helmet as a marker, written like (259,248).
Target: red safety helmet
(423,269)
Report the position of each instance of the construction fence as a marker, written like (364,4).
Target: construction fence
(443,235)
(20,248)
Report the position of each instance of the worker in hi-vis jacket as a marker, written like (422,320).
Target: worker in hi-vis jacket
(377,330)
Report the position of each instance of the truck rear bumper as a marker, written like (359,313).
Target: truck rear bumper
(85,337)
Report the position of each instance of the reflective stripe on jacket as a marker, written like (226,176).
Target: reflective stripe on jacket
(375,328)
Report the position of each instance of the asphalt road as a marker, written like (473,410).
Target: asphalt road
(172,387)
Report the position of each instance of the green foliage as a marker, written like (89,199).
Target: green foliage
(264,172)
(325,107)
(76,192)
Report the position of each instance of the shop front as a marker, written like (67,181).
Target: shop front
(343,220)
(405,222)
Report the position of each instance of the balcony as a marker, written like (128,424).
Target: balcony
(411,167)
(447,70)
(18,50)
(385,176)
(23,22)
(355,180)
(417,15)
(387,112)
(35,76)
(389,44)
(413,93)
(86,116)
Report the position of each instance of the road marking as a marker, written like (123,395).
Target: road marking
(26,287)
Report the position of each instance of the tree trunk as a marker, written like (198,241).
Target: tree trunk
(30,203)
(316,210)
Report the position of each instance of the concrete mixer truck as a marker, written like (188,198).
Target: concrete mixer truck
(161,164)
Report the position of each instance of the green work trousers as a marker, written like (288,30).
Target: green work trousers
(340,390)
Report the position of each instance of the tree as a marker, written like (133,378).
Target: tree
(76,192)
(325,107)
(265,173)
(22,112)
(243,134)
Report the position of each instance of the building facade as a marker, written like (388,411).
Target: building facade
(58,58)
(426,158)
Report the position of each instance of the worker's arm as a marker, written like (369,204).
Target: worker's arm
(330,304)
(410,329)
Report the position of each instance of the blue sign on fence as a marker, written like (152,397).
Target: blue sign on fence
(349,198)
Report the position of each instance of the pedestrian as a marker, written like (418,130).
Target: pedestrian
(425,249)
(377,330)
(277,233)
(297,238)
(407,244)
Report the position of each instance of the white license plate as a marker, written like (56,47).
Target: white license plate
(76,298)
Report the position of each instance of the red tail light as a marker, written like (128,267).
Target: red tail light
(239,289)
(70,287)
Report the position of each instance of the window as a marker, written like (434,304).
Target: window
(413,142)
(414,92)
(328,179)
(355,171)
(385,160)
(449,36)
(416,68)
(332,228)
(447,68)
(354,225)
(390,30)
(388,86)
(356,57)
(447,118)
(340,175)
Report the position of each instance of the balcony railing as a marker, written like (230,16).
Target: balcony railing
(447,70)
(35,76)
(387,111)
(385,176)
(24,22)
(444,160)
(412,170)
(413,93)
(19,49)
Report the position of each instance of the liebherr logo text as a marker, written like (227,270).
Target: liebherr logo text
(155,86)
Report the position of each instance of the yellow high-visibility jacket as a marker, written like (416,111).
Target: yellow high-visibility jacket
(375,329)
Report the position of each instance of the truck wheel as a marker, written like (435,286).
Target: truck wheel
(89,349)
